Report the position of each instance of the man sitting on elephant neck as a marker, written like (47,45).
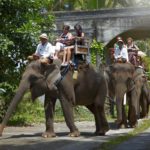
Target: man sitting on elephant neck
(45,51)
(120,51)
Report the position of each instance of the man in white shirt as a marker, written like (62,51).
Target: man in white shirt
(120,53)
(44,51)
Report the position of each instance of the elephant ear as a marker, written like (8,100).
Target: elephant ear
(53,75)
(38,89)
(34,77)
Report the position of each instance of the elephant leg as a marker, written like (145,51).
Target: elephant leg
(69,117)
(103,121)
(132,112)
(93,110)
(119,112)
(124,116)
(100,119)
(49,106)
(144,108)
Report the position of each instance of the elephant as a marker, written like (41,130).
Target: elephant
(89,89)
(144,101)
(125,78)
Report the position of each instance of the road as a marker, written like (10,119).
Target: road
(140,142)
(29,138)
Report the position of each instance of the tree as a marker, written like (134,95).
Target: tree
(21,23)
(97,4)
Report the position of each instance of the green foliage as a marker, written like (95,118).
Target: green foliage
(144,46)
(80,113)
(97,48)
(146,61)
(28,113)
(97,4)
(5,98)
(22,21)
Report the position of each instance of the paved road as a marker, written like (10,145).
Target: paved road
(29,138)
(140,142)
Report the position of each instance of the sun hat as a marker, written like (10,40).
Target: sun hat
(43,36)
(119,39)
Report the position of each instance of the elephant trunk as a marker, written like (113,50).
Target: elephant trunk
(17,98)
(120,91)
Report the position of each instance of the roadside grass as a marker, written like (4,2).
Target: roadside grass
(112,143)
(81,113)
(28,113)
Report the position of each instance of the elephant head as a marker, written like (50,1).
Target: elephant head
(119,78)
(34,78)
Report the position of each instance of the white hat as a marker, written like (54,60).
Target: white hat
(119,39)
(43,36)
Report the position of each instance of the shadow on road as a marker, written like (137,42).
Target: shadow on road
(28,139)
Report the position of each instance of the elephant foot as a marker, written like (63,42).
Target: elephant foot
(123,126)
(100,133)
(143,116)
(118,124)
(48,134)
(106,128)
(1,129)
(134,126)
(74,134)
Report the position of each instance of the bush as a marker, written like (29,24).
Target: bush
(146,61)
(6,95)
(97,50)
(28,113)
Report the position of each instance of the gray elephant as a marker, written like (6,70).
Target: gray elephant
(89,90)
(125,78)
(138,96)
(144,97)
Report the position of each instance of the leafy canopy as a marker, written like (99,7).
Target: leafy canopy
(21,23)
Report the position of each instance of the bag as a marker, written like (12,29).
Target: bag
(69,42)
